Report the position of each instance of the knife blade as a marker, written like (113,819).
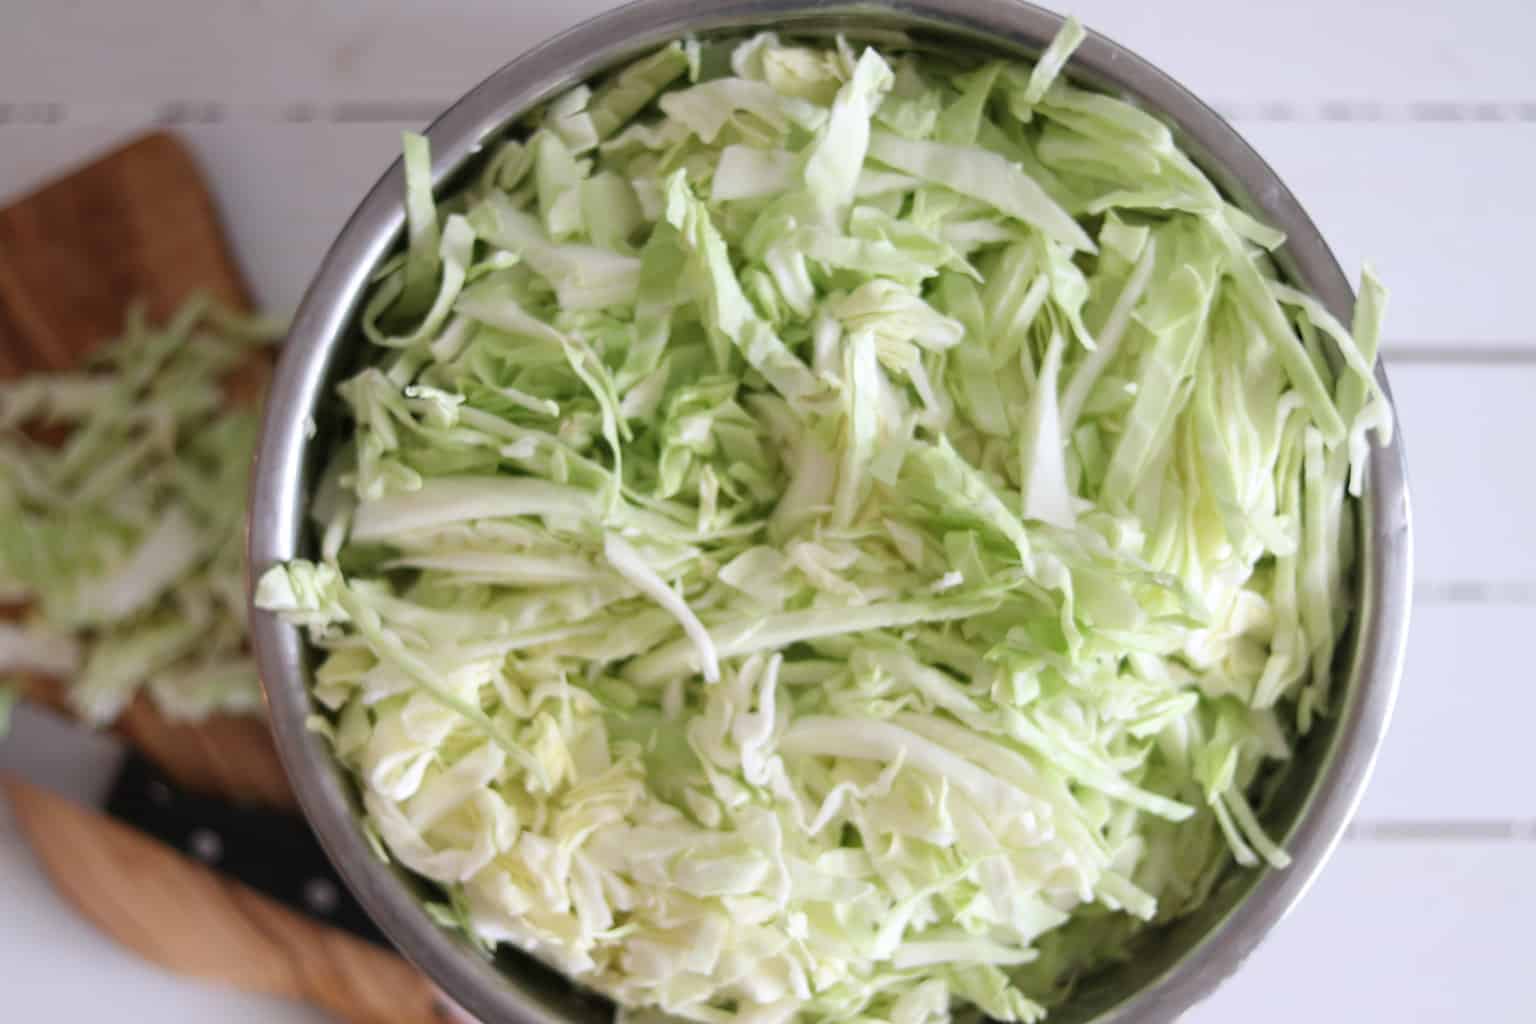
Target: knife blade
(271,851)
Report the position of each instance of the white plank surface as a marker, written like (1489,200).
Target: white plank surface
(1458,752)
(1408,129)
(1466,429)
(1307,57)
(1409,932)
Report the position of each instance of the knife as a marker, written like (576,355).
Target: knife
(273,852)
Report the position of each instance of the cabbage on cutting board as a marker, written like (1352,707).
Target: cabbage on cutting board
(122,512)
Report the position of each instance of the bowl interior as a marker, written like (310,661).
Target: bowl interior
(1308,803)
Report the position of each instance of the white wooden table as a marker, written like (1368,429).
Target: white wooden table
(1409,130)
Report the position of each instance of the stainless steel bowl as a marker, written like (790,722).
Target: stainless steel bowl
(1173,967)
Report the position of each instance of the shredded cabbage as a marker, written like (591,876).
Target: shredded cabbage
(861,560)
(122,504)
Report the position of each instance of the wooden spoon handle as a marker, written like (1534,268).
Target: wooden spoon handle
(177,913)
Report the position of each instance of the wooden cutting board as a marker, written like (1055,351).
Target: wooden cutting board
(139,224)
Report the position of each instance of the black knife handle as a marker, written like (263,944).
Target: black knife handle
(273,852)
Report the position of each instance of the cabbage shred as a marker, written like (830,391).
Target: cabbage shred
(839,538)
(122,506)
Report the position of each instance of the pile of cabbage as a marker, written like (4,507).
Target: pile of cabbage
(122,511)
(830,534)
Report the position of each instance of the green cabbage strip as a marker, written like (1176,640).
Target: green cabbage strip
(125,537)
(845,543)
(10,693)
